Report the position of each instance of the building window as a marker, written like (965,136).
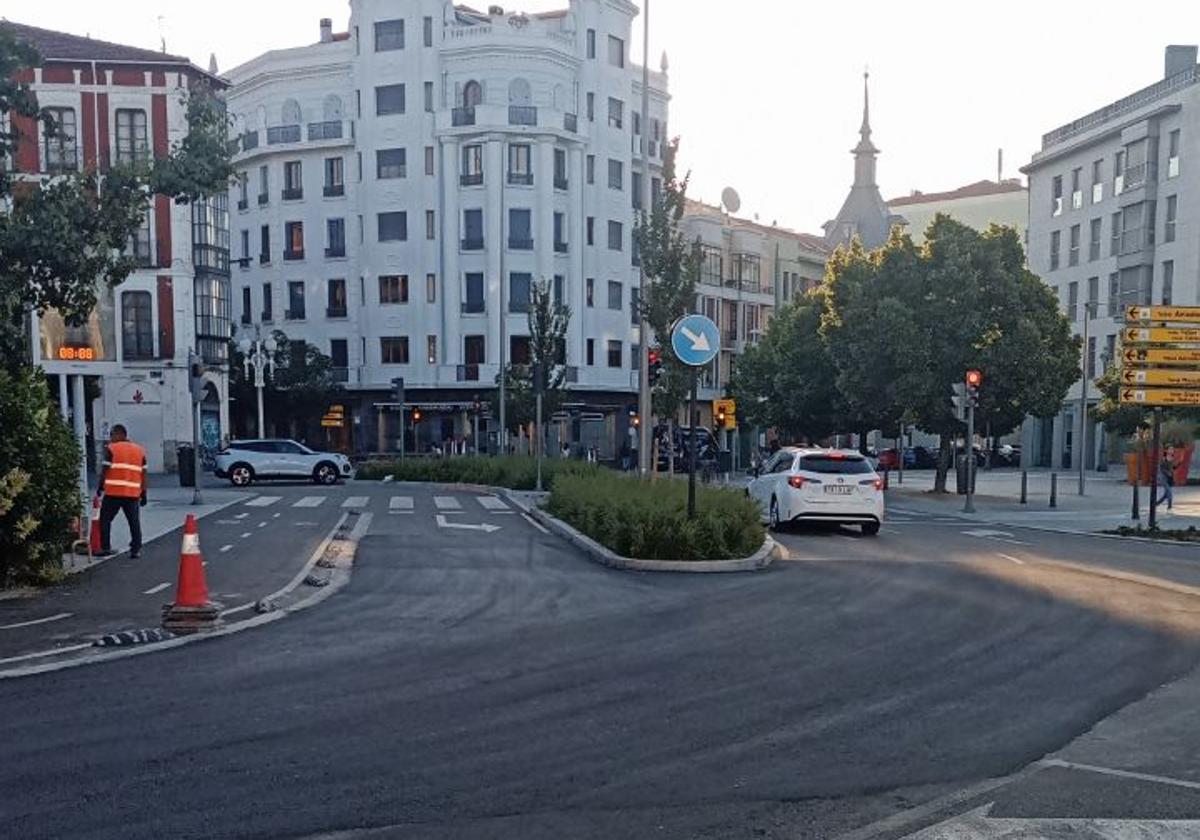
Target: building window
(1093,298)
(1169,224)
(472,165)
(520,169)
(429,97)
(427,27)
(1055,241)
(591,169)
(1073,300)
(243,186)
(431,288)
(393,288)
(1119,172)
(389,99)
(247,305)
(473,299)
(518,291)
(616,236)
(591,107)
(264,184)
(391,163)
(293,181)
(393,350)
(472,238)
(335,234)
(591,43)
(1097,181)
(635,305)
(431,349)
(474,350)
(139,243)
(393,226)
(616,51)
(1073,254)
(1056,196)
(1115,240)
(1114,295)
(1091,357)
(560,283)
(591,230)
(296,309)
(614,354)
(245,242)
(591,352)
(711,265)
(614,295)
(339,353)
(560,232)
(616,175)
(1094,240)
(335,299)
(590,292)
(616,112)
(268,312)
(560,169)
(635,189)
(60,147)
(133,144)
(1173,154)
(293,241)
(1110,350)
(518,350)
(335,176)
(1077,188)
(137,328)
(389,35)
(264,252)
(430,224)
(1168,280)
(429,160)
(520,230)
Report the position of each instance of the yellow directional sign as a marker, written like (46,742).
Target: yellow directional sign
(1161,376)
(1160,356)
(1187,314)
(1159,396)
(1160,335)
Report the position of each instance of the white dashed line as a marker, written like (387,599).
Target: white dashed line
(245,535)
(310,502)
(1016,560)
(46,620)
(44,653)
(263,501)
(241,516)
(262,524)
(400,504)
(355,502)
(225,548)
(153,589)
(446,503)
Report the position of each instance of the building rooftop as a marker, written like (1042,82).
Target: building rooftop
(811,241)
(63,46)
(975,190)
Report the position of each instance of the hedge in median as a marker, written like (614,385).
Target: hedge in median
(513,472)
(648,520)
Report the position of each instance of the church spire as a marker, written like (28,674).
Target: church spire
(865,152)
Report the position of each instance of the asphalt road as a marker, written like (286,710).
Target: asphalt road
(473,683)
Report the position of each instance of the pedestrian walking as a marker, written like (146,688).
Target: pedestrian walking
(566,450)
(123,487)
(1166,478)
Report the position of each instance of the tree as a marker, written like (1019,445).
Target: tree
(296,397)
(788,379)
(671,264)
(548,322)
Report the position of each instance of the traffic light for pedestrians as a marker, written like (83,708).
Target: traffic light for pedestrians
(655,364)
(416,416)
(960,399)
(196,377)
(634,419)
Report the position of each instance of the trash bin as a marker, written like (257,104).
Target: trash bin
(725,461)
(187,465)
(960,475)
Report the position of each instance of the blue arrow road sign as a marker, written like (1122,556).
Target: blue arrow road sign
(696,340)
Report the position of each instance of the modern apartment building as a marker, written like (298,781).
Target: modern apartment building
(1114,204)
(120,103)
(403,183)
(979,205)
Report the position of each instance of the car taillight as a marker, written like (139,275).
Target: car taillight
(796,481)
(879,484)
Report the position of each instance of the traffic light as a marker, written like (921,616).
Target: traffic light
(974,380)
(398,390)
(655,364)
(721,417)
(960,399)
(476,404)
(416,416)
(196,377)
(634,420)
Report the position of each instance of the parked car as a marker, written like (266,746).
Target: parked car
(247,461)
(920,458)
(889,459)
(819,485)
(707,451)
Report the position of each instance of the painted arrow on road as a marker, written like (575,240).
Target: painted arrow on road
(443,522)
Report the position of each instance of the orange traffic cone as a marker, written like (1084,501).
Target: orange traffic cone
(191,611)
(94,538)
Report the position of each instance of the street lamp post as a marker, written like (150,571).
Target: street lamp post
(1088,307)
(260,355)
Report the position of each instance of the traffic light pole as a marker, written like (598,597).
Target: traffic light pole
(196,498)
(969,506)
(692,448)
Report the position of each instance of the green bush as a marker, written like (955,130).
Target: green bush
(648,519)
(39,474)
(513,472)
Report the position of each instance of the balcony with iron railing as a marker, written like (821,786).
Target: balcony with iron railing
(560,247)
(520,179)
(336,311)
(473,307)
(293,315)
(462,116)
(340,375)
(292,194)
(264,258)
(520,244)
(1138,175)
(570,122)
(467,373)
(292,254)
(243,204)
(283,134)
(522,115)
(470,179)
(335,251)
(1136,100)
(334,190)
(263,199)
(472,243)
(1132,240)
(326,130)
(561,182)
(248,140)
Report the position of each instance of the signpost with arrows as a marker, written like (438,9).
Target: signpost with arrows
(1160,366)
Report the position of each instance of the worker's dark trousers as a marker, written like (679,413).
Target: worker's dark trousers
(109,506)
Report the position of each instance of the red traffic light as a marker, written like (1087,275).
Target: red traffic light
(654,355)
(416,415)
(974,378)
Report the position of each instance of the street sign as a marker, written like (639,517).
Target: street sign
(1160,335)
(1160,356)
(1160,396)
(1186,314)
(1181,377)
(696,340)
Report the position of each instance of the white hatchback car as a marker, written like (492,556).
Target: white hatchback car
(244,461)
(819,485)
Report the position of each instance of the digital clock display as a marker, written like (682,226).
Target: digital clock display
(77,354)
(85,346)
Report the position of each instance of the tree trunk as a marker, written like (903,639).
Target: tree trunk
(945,456)
(862,441)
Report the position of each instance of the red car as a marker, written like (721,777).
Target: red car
(889,459)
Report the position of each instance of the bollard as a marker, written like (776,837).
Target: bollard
(1136,507)
(886,473)
(1053,490)
(1024,487)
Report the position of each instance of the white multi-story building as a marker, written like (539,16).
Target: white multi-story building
(978,205)
(404,182)
(1114,199)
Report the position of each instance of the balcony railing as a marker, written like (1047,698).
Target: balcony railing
(1138,174)
(522,115)
(340,375)
(333,190)
(267,316)
(570,122)
(472,243)
(560,247)
(293,315)
(264,258)
(473,307)
(293,254)
(467,373)
(516,244)
(283,134)
(327,130)
(560,182)
(293,194)
(1131,240)
(263,198)
(243,204)
(248,140)
(471,179)
(1121,106)
(246,318)
(521,179)
(463,116)
(335,312)
(334,251)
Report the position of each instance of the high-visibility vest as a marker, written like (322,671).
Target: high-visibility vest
(125,474)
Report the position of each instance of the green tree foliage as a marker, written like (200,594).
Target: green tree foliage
(548,322)
(672,266)
(788,380)
(39,470)
(295,398)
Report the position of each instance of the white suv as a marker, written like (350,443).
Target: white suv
(819,485)
(244,461)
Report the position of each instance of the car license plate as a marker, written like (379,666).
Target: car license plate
(838,490)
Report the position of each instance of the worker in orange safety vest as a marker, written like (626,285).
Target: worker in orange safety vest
(123,486)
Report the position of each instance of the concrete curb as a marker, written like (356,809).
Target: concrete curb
(340,547)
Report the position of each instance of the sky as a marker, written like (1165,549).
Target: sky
(767,94)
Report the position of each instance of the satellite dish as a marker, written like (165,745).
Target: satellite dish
(731,200)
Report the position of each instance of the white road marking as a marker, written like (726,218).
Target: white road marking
(245,535)
(225,548)
(154,589)
(443,522)
(977,824)
(446,503)
(355,502)
(238,609)
(262,524)
(1124,774)
(1016,560)
(400,504)
(263,501)
(998,536)
(241,516)
(30,623)
(275,515)
(535,523)
(492,503)
(310,502)
(44,653)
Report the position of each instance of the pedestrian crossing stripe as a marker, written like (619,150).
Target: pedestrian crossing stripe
(446,503)
(355,502)
(263,501)
(401,504)
(492,503)
(310,502)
